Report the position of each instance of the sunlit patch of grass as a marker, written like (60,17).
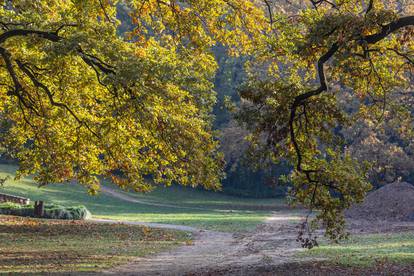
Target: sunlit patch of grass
(33,245)
(366,250)
(227,222)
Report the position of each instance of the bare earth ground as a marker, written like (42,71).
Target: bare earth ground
(268,250)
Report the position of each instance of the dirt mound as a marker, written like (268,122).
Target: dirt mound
(393,202)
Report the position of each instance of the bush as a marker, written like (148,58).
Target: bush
(54,211)
(15,209)
(51,211)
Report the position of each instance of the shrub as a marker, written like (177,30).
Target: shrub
(15,209)
(51,211)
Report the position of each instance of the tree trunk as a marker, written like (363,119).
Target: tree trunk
(38,209)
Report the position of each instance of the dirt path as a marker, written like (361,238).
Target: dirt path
(272,243)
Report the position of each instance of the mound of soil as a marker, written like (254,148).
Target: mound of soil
(393,202)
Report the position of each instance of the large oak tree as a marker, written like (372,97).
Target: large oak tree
(79,100)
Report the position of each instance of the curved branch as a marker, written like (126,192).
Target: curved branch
(301,99)
(17,85)
(105,13)
(52,36)
(269,9)
(317,3)
(49,94)
(93,61)
(390,28)
(370,7)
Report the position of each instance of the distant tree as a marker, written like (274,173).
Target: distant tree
(81,101)
(229,76)
(386,144)
(316,51)
(245,176)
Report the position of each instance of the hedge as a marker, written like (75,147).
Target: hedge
(51,211)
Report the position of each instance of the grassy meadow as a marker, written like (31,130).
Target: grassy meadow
(184,206)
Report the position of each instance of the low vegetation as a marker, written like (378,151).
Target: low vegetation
(368,250)
(51,211)
(36,245)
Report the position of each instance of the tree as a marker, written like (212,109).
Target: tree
(80,101)
(242,176)
(387,145)
(365,47)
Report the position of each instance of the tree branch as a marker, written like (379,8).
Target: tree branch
(388,29)
(49,94)
(301,99)
(370,6)
(269,9)
(105,13)
(17,85)
(52,36)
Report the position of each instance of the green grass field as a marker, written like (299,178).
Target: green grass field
(367,250)
(202,209)
(195,198)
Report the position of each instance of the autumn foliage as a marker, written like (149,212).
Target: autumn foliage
(80,100)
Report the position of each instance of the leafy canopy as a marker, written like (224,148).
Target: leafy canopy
(79,100)
(320,57)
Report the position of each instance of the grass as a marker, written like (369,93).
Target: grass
(203,209)
(195,198)
(33,246)
(368,250)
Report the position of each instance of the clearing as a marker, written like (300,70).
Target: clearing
(172,205)
(224,236)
